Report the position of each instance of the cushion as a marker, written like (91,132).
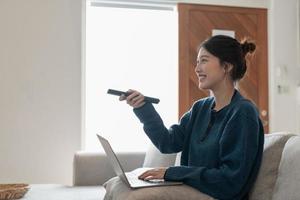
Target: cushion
(154,158)
(116,189)
(265,182)
(287,184)
(86,166)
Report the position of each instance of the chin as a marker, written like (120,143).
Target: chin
(202,86)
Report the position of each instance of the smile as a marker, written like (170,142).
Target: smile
(201,77)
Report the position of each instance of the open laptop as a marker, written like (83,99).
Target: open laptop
(130,178)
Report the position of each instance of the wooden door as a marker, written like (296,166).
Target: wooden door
(196,23)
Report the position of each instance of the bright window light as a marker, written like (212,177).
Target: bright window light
(128,49)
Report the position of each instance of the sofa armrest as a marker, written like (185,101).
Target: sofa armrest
(91,168)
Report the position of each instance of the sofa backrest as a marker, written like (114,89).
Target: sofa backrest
(287,183)
(94,168)
(266,179)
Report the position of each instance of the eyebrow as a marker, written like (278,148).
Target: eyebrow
(204,56)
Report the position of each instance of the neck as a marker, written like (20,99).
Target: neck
(223,95)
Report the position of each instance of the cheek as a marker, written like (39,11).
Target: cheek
(215,71)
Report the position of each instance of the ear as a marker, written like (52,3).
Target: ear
(227,67)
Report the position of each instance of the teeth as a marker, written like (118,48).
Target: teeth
(201,77)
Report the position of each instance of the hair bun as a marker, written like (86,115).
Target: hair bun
(248,47)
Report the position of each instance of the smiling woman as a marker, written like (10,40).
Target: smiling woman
(128,48)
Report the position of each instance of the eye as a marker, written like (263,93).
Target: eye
(204,60)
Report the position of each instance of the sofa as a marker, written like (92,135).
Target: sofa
(278,178)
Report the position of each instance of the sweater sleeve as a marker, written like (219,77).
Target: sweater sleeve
(166,140)
(237,154)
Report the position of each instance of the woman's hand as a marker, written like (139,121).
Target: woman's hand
(135,99)
(156,173)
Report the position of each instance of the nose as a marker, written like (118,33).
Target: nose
(197,67)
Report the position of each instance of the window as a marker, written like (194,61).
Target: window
(128,48)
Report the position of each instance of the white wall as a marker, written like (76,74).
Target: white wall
(40,74)
(284,110)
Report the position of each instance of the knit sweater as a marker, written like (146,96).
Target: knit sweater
(221,150)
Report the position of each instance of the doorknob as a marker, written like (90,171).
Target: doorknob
(264,113)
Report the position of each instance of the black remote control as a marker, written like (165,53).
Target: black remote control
(119,93)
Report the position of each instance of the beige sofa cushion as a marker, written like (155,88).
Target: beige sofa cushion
(93,168)
(154,158)
(287,184)
(117,190)
(265,182)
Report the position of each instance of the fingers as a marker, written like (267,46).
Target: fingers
(122,97)
(153,174)
(133,95)
(147,175)
(135,99)
(139,103)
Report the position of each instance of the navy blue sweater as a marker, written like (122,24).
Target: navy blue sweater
(221,150)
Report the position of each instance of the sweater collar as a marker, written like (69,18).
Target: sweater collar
(235,98)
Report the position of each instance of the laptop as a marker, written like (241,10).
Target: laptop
(131,178)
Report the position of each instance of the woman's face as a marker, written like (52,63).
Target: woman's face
(209,70)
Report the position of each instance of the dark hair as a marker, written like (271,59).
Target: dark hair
(229,50)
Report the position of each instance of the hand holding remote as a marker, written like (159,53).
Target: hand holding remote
(133,97)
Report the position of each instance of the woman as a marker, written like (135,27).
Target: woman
(221,137)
